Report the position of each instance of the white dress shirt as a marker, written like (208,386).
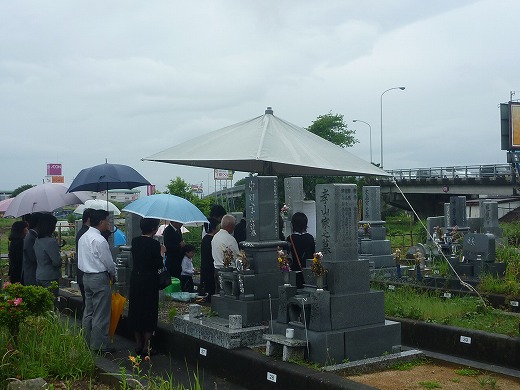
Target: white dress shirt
(221,241)
(94,254)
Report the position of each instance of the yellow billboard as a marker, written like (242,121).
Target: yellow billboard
(515,125)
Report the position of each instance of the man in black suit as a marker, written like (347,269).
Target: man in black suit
(172,237)
(240,229)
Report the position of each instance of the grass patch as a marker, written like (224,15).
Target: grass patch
(465,312)
(430,384)
(488,382)
(467,372)
(407,366)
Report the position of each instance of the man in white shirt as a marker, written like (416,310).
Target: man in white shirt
(95,260)
(222,240)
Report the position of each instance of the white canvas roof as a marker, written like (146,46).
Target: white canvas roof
(267,145)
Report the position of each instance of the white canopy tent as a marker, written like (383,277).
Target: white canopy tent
(267,145)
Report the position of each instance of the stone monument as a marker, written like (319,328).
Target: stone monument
(253,293)
(345,319)
(372,242)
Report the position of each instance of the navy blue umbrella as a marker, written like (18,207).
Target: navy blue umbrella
(106,177)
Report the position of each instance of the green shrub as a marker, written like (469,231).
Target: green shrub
(19,302)
(511,231)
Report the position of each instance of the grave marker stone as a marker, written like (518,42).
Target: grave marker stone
(336,209)
(489,213)
(262,208)
(372,203)
(457,214)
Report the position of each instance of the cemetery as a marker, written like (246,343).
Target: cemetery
(363,304)
(338,320)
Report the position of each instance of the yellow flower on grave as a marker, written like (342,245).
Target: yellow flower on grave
(317,267)
(366,228)
(283,261)
(229,257)
(242,261)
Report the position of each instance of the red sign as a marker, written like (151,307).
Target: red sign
(53,170)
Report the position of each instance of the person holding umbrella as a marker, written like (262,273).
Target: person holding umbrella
(29,257)
(95,260)
(47,253)
(85,219)
(207,269)
(19,230)
(174,243)
(143,310)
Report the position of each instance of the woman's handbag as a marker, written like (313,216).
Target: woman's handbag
(164,279)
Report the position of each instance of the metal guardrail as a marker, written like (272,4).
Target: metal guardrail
(494,171)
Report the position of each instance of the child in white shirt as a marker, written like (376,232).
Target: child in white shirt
(187,268)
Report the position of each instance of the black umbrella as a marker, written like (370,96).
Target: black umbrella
(106,177)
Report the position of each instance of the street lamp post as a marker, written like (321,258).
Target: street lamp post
(389,89)
(370,131)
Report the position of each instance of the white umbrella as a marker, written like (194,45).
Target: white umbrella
(97,204)
(45,197)
(268,145)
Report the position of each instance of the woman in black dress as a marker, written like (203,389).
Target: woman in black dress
(207,270)
(18,232)
(302,245)
(143,309)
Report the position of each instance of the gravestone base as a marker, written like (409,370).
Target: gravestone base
(336,346)
(464,269)
(379,261)
(254,312)
(216,330)
(388,272)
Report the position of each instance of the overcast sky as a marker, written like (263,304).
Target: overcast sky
(81,81)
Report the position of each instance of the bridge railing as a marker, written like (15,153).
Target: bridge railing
(494,171)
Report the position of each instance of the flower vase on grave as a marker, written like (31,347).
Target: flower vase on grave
(319,282)
(286,279)
(398,270)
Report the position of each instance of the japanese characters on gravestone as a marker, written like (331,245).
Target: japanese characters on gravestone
(336,210)
(372,203)
(293,187)
(262,209)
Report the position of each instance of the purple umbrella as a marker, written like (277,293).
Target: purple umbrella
(4,204)
(43,198)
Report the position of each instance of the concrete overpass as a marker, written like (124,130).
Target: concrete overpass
(427,189)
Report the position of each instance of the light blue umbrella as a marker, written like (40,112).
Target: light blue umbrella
(169,207)
(119,238)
